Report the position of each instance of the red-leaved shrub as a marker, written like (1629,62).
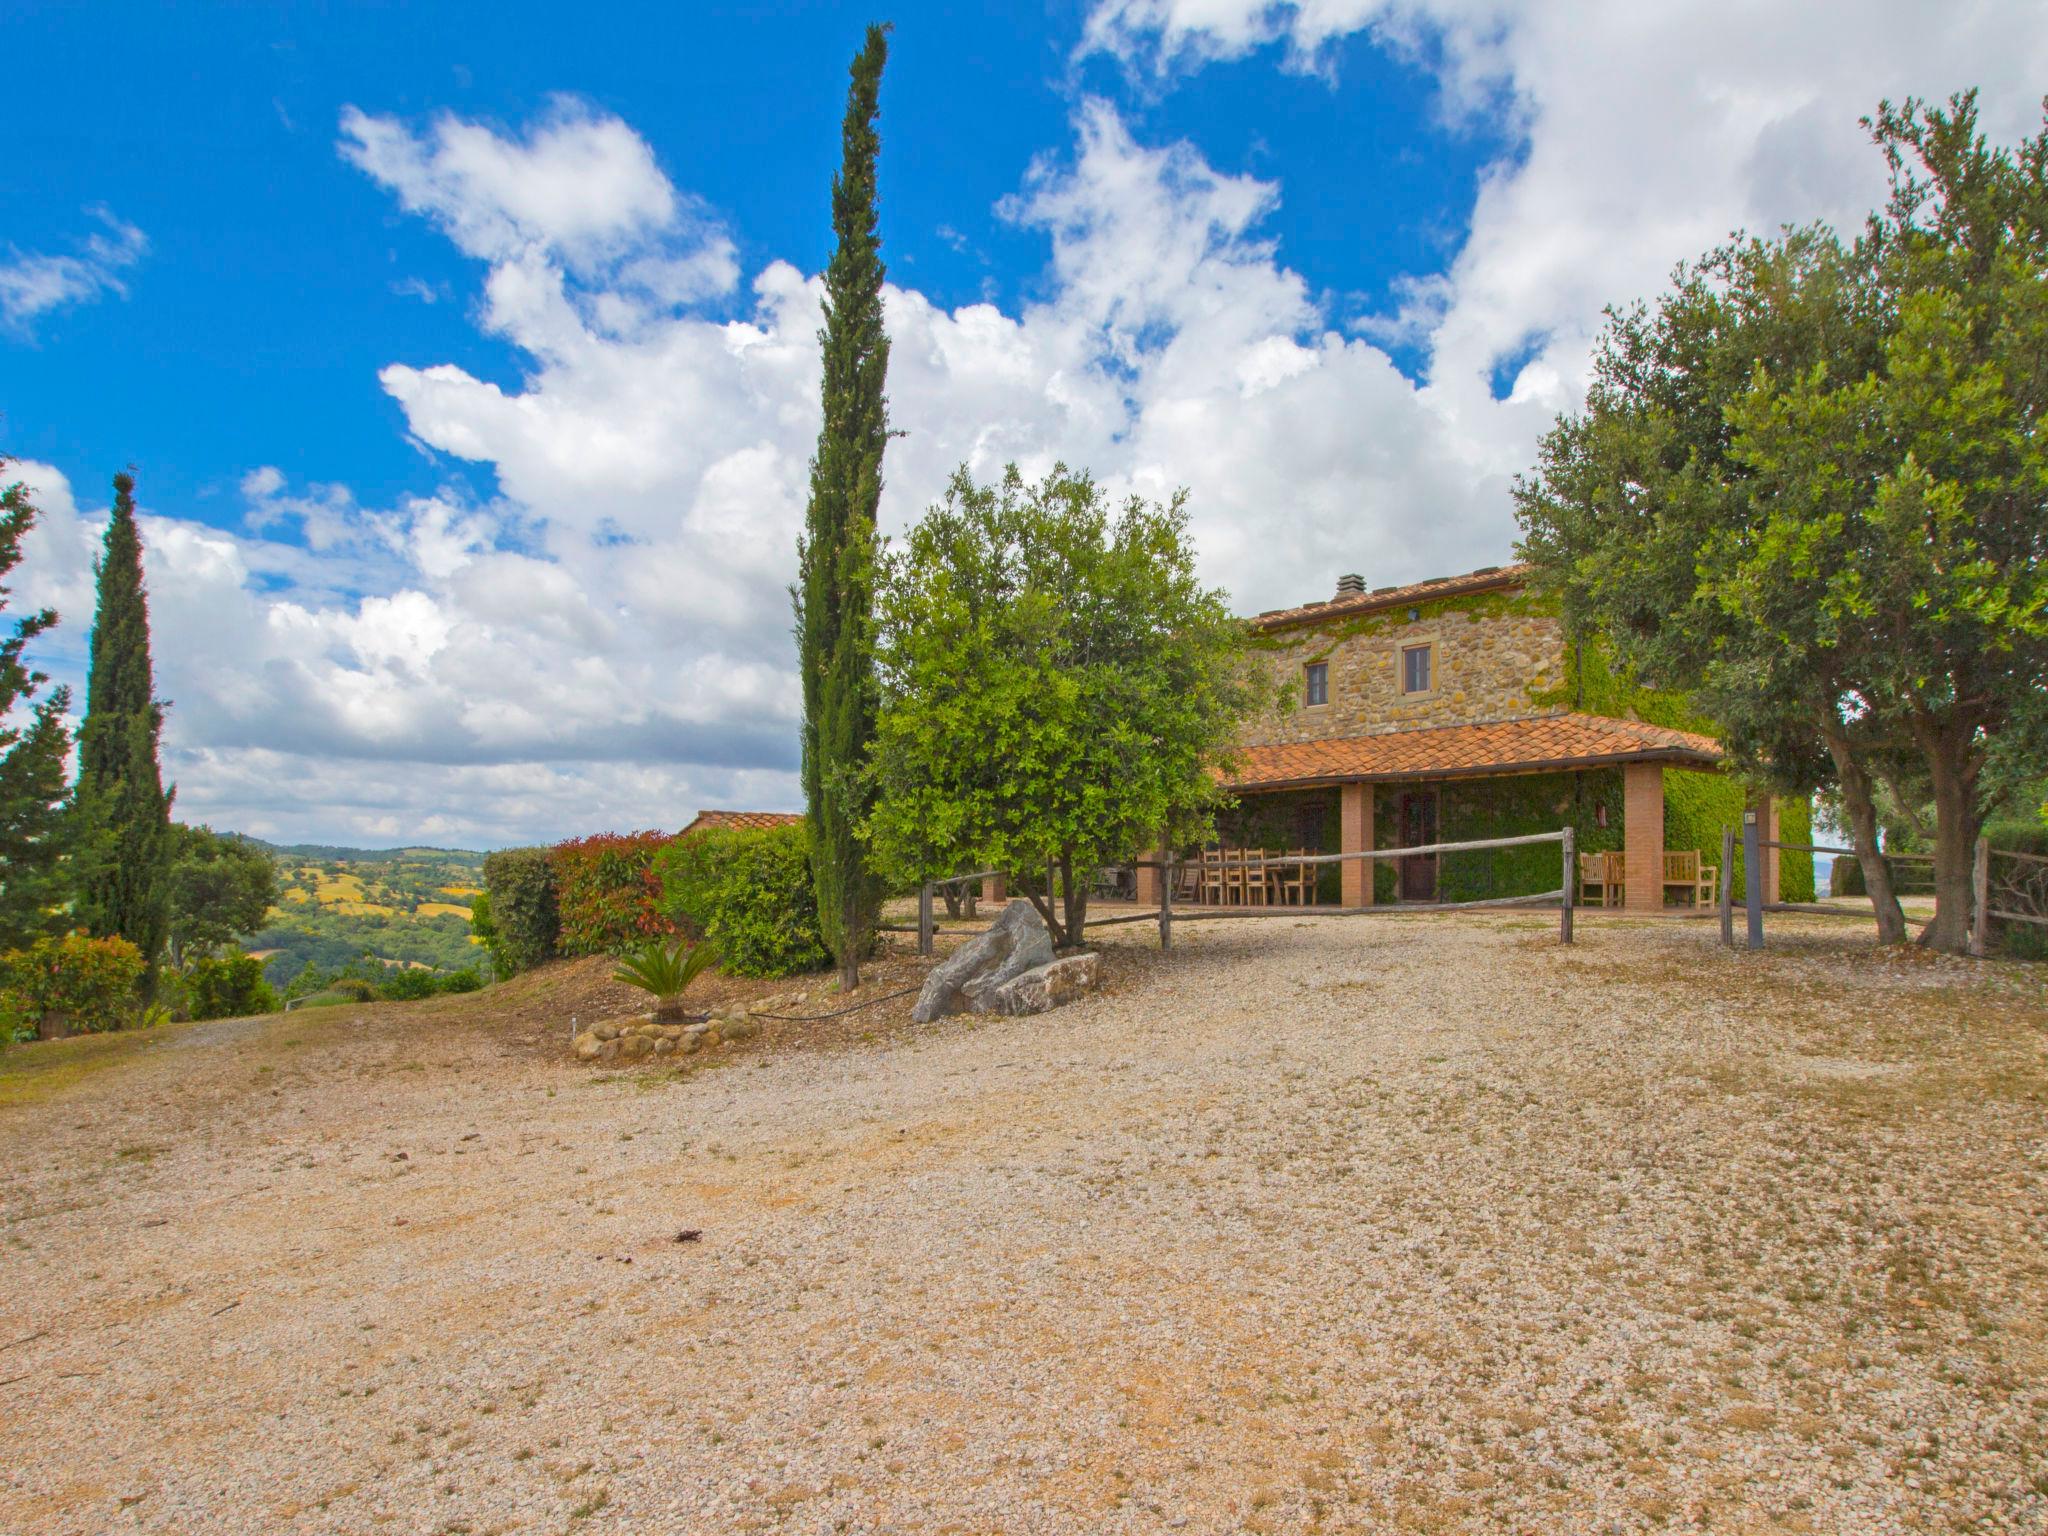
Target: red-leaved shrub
(608,893)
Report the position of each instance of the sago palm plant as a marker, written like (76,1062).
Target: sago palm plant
(665,969)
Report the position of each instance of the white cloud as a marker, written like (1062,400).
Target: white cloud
(32,284)
(604,641)
(1646,134)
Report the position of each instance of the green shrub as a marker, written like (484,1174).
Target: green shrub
(607,893)
(664,969)
(747,890)
(227,987)
(465,980)
(408,985)
(73,984)
(525,924)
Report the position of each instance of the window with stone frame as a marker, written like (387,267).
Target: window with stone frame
(1418,668)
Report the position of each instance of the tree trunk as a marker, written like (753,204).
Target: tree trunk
(1862,812)
(1077,900)
(849,959)
(1952,766)
(952,895)
(1048,908)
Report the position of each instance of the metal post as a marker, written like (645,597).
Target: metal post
(1753,876)
(1980,899)
(1727,883)
(924,918)
(1571,885)
(1166,900)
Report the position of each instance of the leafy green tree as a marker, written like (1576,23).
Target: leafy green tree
(836,557)
(123,808)
(32,750)
(1812,488)
(220,888)
(1056,686)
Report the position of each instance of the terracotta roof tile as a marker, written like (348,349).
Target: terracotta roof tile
(1451,751)
(1492,578)
(752,820)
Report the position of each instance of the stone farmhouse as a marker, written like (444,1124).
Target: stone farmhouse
(1453,710)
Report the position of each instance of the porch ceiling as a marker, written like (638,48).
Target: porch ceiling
(1469,751)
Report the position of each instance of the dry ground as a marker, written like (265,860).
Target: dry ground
(1382,1224)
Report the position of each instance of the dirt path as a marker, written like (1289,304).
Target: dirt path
(1398,1224)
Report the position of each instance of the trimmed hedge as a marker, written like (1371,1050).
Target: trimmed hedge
(522,914)
(607,892)
(747,890)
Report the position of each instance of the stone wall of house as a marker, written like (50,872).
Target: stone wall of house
(1490,659)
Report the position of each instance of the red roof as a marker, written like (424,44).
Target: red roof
(1461,751)
(753,820)
(1489,579)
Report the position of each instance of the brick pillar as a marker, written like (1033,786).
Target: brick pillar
(994,888)
(1354,816)
(1642,835)
(1148,879)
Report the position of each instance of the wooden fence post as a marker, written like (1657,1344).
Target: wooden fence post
(1727,883)
(1752,876)
(1980,899)
(924,918)
(1571,885)
(1166,902)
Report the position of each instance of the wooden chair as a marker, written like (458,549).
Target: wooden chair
(1294,884)
(1681,873)
(1187,880)
(1210,893)
(1686,873)
(1253,889)
(1597,872)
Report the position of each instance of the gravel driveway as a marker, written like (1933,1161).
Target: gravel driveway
(1382,1224)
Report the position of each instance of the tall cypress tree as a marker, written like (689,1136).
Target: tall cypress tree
(123,810)
(32,750)
(835,595)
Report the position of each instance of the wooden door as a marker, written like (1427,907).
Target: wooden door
(1418,829)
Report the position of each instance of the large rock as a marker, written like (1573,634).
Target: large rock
(1016,943)
(1046,987)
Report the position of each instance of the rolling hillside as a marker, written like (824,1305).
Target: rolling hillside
(400,906)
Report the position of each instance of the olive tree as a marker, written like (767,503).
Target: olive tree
(1057,686)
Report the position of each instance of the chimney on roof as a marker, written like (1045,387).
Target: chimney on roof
(1351,584)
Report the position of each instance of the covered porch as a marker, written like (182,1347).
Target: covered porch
(1646,803)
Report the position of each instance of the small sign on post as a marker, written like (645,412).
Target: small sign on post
(1752,877)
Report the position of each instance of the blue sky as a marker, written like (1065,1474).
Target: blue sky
(464,352)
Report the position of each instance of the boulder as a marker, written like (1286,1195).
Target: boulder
(606,1029)
(586,1046)
(1046,987)
(633,1047)
(1018,942)
(664,1046)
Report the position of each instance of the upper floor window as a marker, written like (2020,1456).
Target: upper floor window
(1316,683)
(1417,664)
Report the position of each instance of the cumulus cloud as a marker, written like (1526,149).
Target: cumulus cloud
(1644,135)
(33,284)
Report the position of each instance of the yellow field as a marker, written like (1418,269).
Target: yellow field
(436,908)
(360,908)
(462,892)
(338,888)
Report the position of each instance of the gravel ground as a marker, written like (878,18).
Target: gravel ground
(1381,1224)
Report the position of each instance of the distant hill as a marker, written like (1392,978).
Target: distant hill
(333,854)
(397,906)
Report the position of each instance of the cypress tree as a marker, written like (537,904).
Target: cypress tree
(123,810)
(836,556)
(32,750)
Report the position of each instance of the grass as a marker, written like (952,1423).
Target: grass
(34,1072)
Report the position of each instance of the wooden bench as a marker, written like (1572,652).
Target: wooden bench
(1600,872)
(1683,872)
